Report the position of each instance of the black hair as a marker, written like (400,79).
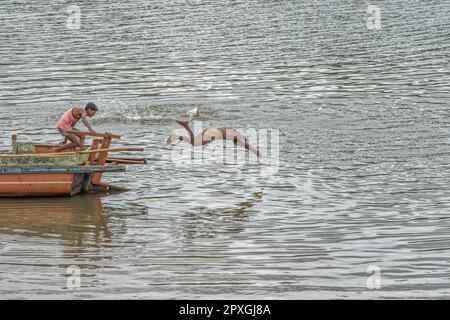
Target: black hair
(91,106)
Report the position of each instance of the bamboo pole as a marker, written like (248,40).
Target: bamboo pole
(97,134)
(126,161)
(125,158)
(112,149)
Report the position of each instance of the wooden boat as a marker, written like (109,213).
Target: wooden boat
(34,169)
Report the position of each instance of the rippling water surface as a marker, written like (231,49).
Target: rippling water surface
(362,178)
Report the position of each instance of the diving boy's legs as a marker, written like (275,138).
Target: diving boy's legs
(239,139)
(197,140)
(227,134)
(185,125)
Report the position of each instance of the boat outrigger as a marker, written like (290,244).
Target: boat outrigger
(35,169)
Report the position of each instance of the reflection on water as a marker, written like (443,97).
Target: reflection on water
(66,218)
(54,233)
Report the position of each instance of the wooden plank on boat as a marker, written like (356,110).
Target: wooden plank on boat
(127,160)
(83,134)
(101,159)
(33,184)
(79,169)
(38,160)
(93,156)
(37,148)
(60,154)
(51,181)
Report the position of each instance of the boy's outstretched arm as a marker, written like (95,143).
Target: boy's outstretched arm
(86,123)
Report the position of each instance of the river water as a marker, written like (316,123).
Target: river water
(350,201)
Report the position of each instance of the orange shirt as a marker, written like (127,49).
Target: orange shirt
(70,118)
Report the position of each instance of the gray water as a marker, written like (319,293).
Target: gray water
(358,190)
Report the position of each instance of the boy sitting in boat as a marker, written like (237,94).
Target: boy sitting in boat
(69,119)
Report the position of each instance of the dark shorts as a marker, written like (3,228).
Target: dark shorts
(63,132)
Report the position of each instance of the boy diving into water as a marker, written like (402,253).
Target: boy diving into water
(210,134)
(69,119)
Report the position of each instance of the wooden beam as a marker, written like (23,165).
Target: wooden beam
(93,155)
(61,154)
(126,160)
(83,134)
(101,160)
(79,169)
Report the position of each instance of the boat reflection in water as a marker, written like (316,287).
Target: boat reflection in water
(76,219)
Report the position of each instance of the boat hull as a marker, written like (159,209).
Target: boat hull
(35,184)
(49,182)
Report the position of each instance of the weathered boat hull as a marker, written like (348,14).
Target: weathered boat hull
(38,160)
(50,181)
